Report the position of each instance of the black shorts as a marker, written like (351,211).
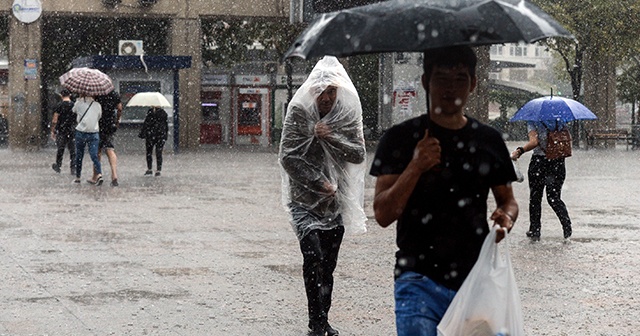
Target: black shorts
(106,141)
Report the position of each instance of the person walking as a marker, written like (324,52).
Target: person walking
(63,123)
(109,123)
(433,176)
(544,174)
(155,131)
(88,113)
(322,154)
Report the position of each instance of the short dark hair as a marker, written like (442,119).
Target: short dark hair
(449,57)
(65,93)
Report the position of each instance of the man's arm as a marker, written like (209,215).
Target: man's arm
(506,211)
(54,122)
(119,114)
(347,143)
(393,191)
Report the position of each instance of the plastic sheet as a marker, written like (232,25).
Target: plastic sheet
(324,174)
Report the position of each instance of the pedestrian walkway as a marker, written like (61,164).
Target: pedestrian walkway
(206,249)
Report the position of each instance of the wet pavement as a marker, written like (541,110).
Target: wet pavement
(206,249)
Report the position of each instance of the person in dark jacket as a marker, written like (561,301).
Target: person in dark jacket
(109,123)
(322,155)
(63,125)
(155,131)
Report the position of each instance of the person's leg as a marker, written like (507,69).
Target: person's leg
(149,148)
(330,241)
(72,152)
(536,189)
(80,144)
(95,173)
(159,149)
(60,145)
(557,173)
(94,141)
(113,162)
(312,255)
(420,304)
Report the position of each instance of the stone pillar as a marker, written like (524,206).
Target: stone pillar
(24,113)
(478,104)
(185,40)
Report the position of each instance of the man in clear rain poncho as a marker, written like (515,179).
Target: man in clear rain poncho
(322,154)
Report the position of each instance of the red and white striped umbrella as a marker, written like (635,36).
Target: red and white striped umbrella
(87,82)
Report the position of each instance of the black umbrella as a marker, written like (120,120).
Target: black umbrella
(417,25)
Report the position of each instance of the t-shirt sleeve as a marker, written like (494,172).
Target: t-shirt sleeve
(394,152)
(504,172)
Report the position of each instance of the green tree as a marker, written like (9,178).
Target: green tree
(225,41)
(629,85)
(600,27)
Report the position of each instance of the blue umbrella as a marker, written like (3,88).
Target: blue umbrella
(553,108)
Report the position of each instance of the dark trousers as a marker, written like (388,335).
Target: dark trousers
(320,253)
(549,174)
(66,140)
(159,146)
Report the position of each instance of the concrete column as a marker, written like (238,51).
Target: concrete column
(185,41)
(24,113)
(478,104)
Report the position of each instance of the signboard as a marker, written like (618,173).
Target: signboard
(252,80)
(296,80)
(30,69)
(209,79)
(253,91)
(27,11)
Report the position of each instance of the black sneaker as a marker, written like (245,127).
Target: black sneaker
(330,331)
(533,236)
(56,168)
(567,233)
(158,173)
(114,183)
(148,173)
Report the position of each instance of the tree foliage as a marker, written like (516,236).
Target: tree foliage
(225,41)
(600,27)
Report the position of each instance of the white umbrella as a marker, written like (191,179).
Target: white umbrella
(155,99)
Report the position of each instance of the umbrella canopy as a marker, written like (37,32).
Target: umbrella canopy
(87,82)
(417,25)
(155,99)
(553,108)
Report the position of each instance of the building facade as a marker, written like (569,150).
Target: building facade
(27,100)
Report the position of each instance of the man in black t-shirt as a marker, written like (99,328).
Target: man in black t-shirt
(434,173)
(109,123)
(63,125)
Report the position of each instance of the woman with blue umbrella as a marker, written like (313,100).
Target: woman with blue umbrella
(548,116)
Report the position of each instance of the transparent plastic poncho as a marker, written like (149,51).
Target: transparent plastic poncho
(323,176)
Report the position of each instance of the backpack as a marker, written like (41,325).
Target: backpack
(558,143)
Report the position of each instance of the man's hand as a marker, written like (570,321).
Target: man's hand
(321,130)
(427,152)
(504,221)
(53,136)
(328,188)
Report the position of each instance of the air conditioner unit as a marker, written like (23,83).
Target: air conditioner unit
(130,47)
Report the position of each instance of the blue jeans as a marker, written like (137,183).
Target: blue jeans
(92,140)
(420,304)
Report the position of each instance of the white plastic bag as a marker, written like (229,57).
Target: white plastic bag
(516,167)
(488,302)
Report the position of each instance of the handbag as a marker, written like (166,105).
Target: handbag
(488,302)
(558,143)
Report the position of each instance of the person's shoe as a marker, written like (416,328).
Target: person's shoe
(533,236)
(567,233)
(316,332)
(114,183)
(56,168)
(330,331)
(158,173)
(77,181)
(148,173)
(99,181)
